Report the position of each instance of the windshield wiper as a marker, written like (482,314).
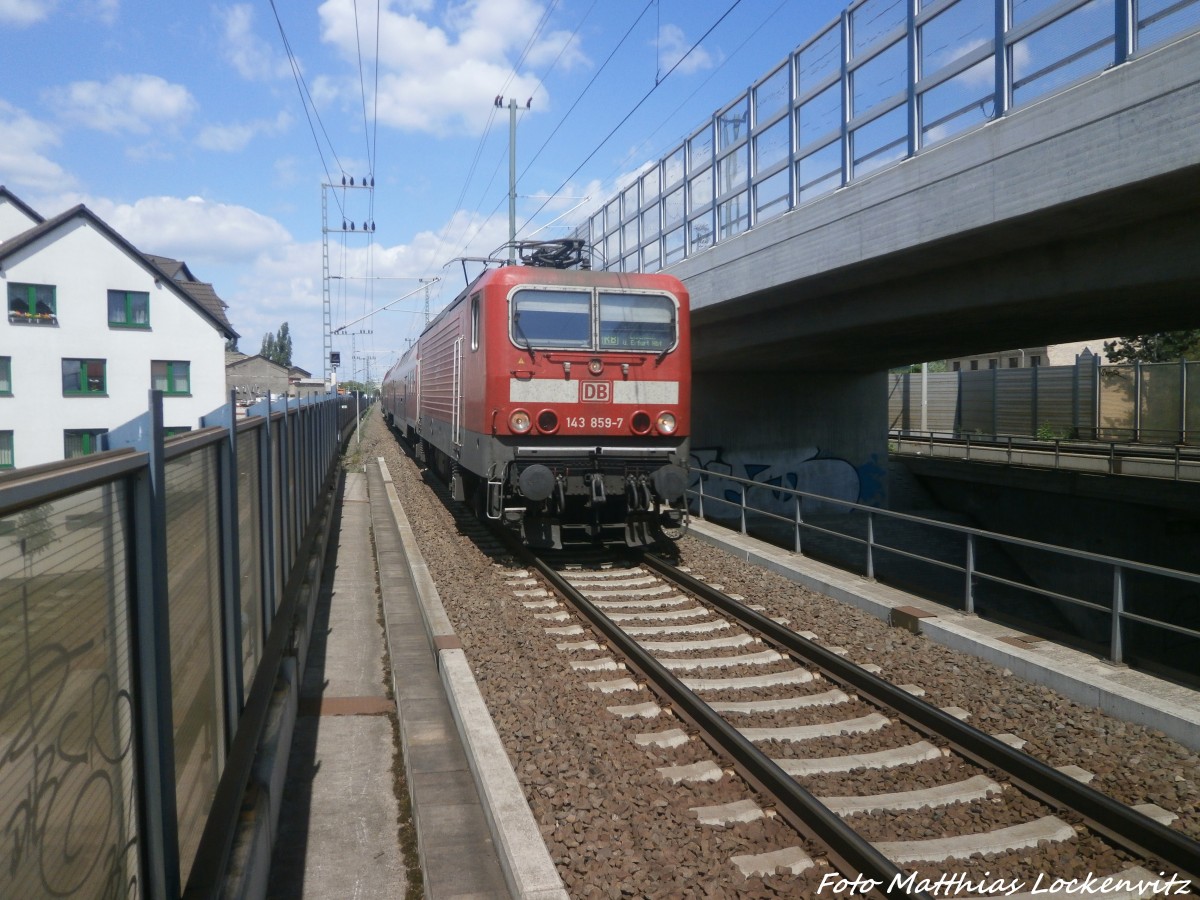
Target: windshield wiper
(665,350)
(520,333)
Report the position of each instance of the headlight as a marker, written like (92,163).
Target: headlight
(547,421)
(665,423)
(640,423)
(519,421)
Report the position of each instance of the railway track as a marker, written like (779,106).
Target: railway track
(890,795)
(587,732)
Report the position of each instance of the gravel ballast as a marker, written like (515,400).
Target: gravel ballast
(615,827)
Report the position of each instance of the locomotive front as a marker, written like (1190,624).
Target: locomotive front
(590,388)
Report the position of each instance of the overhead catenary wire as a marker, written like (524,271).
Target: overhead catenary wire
(479,225)
(362,87)
(307,101)
(637,149)
(635,108)
(458,204)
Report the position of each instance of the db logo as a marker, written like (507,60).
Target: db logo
(597,391)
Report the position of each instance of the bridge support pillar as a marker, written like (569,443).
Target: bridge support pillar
(823,432)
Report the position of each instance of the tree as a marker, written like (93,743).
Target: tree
(278,347)
(231,346)
(1162,346)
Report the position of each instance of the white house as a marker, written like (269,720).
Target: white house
(91,325)
(1028,357)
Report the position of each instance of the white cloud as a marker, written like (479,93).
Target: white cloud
(235,137)
(442,78)
(133,103)
(25,12)
(23,159)
(106,11)
(28,12)
(254,58)
(193,229)
(672,45)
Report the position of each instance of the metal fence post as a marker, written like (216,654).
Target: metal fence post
(1000,99)
(1124,31)
(1116,652)
(266,470)
(799,522)
(1137,401)
(969,597)
(1035,400)
(700,498)
(152,659)
(870,545)
(743,487)
(1183,400)
(847,104)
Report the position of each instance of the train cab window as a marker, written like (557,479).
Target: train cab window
(636,322)
(552,319)
(475,322)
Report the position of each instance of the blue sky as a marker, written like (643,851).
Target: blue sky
(181,124)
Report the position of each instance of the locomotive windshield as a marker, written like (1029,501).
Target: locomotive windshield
(636,322)
(555,319)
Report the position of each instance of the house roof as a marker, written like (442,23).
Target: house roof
(20,204)
(303,373)
(176,268)
(201,291)
(235,363)
(202,302)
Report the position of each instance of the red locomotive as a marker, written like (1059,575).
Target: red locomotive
(556,399)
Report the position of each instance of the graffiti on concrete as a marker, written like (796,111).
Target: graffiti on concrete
(802,469)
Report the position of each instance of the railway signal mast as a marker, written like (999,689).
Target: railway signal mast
(349,226)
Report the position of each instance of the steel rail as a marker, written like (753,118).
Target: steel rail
(850,852)
(1121,823)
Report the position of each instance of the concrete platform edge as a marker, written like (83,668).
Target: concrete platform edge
(1124,693)
(524,858)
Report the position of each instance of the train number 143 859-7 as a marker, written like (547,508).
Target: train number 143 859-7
(593,422)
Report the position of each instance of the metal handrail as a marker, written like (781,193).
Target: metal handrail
(1179,456)
(1120,567)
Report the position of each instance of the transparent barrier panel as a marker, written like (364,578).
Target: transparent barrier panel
(1160,403)
(1192,406)
(67,756)
(194,591)
(1116,403)
(250,553)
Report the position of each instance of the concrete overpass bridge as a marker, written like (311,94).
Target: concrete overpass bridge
(954,177)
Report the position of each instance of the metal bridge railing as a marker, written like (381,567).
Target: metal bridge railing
(1134,403)
(885,81)
(1172,462)
(1121,593)
(143,617)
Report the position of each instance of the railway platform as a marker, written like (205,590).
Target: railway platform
(397,783)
